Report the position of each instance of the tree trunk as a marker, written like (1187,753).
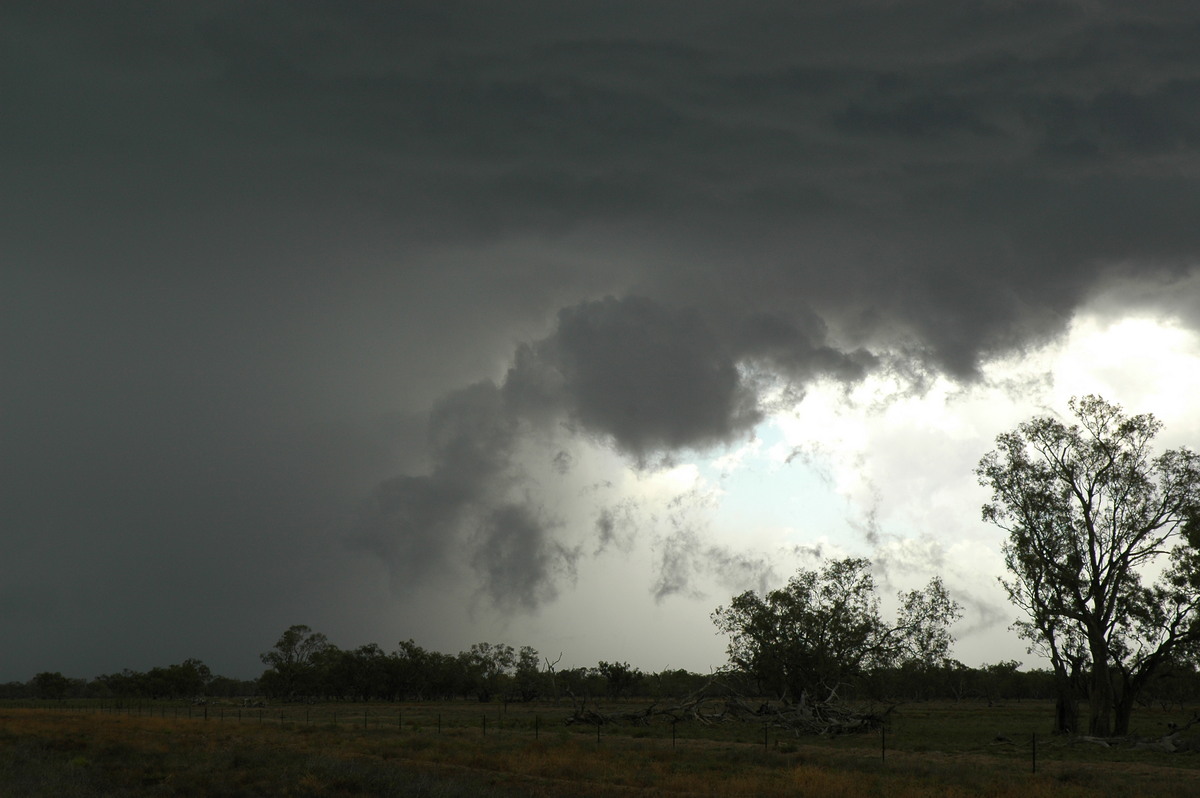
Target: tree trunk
(1100,701)
(1100,716)
(1130,686)
(1124,710)
(1066,707)
(1066,713)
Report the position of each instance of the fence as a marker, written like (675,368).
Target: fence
(465,718)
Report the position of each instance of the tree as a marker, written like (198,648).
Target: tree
(488,668)
(124,684)
(528,677)
(188,678)
(552,676)
(1092,517)
(291,661)
(50,685)
(411,670)
(296,646)
(619,678)
(825,627)
(358,675)
(447,674)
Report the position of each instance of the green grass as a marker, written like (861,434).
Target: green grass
(341,749)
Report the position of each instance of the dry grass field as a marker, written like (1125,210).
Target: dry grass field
(460,749)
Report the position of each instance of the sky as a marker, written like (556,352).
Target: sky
(559,324)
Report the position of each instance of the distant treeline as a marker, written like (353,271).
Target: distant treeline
(188,679)
(304,666)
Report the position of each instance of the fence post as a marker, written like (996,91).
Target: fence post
(883,742)
(1033,750)
(536,723)
(485,725)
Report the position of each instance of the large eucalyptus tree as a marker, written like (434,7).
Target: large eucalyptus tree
(1101,551)
(825,627)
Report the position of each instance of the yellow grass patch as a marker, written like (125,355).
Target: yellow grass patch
(82,755)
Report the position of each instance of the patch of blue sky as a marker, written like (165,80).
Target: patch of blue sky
(771,500)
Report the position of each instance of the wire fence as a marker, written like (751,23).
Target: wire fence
(461,719)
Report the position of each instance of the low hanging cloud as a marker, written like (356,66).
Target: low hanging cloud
(685,559)
(518,558)
(796,345)
(470,502)
(414,523)
(640,376)
(616,527)
(647,377)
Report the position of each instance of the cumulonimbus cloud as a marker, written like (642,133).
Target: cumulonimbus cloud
(641,376)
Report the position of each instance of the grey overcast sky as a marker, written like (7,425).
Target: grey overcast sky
(558,323)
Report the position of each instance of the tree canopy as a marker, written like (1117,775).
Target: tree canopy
(1101,551)
(825,627)
(291,659)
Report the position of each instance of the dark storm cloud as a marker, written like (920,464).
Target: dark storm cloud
(519,559)
(647,378)
(653,378)
(650,377)
(246,245)
(795,345)
(414,523)
(420,526)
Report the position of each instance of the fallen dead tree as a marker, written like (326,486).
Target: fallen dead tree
(1174,742)
(715,703)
